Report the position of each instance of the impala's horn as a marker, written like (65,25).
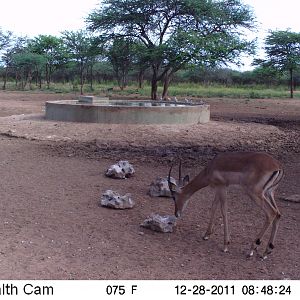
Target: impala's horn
(169,182)
(180,172)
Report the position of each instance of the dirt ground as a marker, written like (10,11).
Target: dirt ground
(52,178)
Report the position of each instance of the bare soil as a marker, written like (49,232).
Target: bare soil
(52,178)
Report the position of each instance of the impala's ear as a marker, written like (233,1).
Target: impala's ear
(186,180)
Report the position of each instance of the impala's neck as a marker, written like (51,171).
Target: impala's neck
(197,183)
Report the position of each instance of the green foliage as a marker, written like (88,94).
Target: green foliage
(204,91)
(175,33)
(48,45)
(222,91)
(82,48)
(283,49)
(78,44)
(121,55)
(5,39)
(283,53)
(154,41)
(26,63)
(52,49)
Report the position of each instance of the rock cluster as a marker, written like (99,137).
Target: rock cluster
(121,170)
(160,223)
(113,199)
(160,188)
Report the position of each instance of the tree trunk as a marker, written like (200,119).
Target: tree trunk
(24,79)
(39,79)
(154,84)
(5,79)
(141,79)
(167,81)
(291,83)
(119,79)
(30,79)
(81,78)
(124,78)
(154,89)
(92,77)
(16,80)
(47,76)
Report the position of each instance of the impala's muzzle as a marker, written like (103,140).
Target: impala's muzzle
(173,191)
(177,212)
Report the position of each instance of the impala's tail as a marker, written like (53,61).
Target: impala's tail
(271,185)
(274,180)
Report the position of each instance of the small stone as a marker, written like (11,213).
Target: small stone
(127,168)
(159,223)
(292,198)
(123,169)
(113,199)
(116,172)
(160,187)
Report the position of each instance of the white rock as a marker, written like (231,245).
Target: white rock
(126,167)
(115,171)
(160,187)
(160,223)
(113,199)
(123,169)
(292,198)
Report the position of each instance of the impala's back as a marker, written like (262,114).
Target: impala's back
(242,168)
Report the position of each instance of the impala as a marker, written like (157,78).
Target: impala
(257,173)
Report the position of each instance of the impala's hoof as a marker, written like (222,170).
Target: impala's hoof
(250,254)
(206,237)
(265,255)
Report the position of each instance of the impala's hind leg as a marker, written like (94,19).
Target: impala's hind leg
(270,196)
(270,214)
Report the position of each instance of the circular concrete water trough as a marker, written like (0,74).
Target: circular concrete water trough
(127,112)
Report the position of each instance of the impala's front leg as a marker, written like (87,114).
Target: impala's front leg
(225,220)
(214,207)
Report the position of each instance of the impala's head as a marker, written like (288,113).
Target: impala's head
(179,197)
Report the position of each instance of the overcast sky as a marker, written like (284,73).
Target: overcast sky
(273,15)
(33,17)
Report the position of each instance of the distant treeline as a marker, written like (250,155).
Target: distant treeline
(103,73)
(154,43)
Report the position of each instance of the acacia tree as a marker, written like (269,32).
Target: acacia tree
(17,45)
(121,56)
(283,53)
(176,32)
(82,49)
(6,43)
(52,49)
(5,39)
(26,64)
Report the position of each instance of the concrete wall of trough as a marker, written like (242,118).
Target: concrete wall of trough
(71,110)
